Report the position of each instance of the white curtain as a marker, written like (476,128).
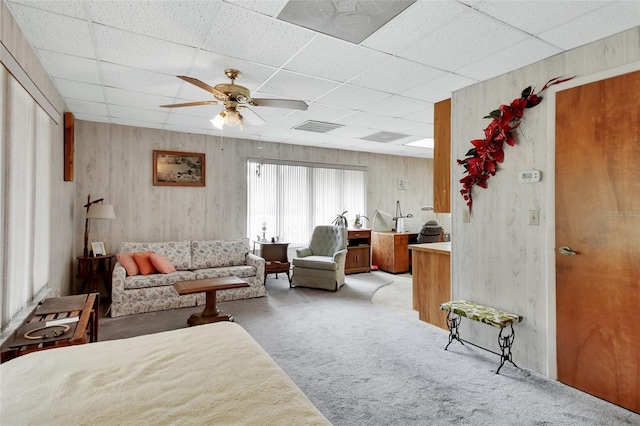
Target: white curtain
(26,191)
(290,198)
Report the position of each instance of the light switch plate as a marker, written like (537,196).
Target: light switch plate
(534,217)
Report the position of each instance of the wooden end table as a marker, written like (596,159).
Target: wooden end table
(210,286)
(275,258)
(79,313)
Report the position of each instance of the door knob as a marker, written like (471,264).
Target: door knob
(566,251)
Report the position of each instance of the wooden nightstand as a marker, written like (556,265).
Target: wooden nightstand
(92,270)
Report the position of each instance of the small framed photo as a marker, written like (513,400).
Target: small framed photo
(173,168)
(98,249)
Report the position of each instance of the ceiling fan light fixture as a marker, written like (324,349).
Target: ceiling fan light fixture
(229,117)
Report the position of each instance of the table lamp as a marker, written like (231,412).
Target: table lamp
(95,210)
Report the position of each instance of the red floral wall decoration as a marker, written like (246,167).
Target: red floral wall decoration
(480,162)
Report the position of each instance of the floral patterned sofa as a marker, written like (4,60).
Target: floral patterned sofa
(137,294)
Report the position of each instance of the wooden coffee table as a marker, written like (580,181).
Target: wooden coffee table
(211,313)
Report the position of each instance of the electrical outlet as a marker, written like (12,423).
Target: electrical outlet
(534,217)
(466,216)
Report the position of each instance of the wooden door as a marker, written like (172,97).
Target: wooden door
(598,217)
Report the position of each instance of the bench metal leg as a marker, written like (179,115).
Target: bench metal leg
(506,342)
(453,322)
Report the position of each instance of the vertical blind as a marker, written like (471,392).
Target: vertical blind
(290,198)
(26,187)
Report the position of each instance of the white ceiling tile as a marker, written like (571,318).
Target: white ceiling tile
(73,8)
(395,75)
(295,86)
(70,67)
(209,67)
(122,77)
(352,97)
(85,116)
(81,91)
(414,23)
(136,99)
(183,22)
(86,107)
(424,116)
(524,53)
(319,112)
(473,37)
(424,130)
(615,17)
(351,132)
(189,121)
(534,17)
(119,111)
(269,8)
(440,88)
(135,123)
(138,51)
(54,32)
(251,36)
(333,59)
(396,106)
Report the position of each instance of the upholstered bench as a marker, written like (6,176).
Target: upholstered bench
(487,315)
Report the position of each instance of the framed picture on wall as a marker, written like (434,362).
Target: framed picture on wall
(98,249)
(174,168)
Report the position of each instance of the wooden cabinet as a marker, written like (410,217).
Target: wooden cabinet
(391,251)
(442,157)
(275,257)
(431,281)
(358,251)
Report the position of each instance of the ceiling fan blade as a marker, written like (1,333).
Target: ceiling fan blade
(252,117)
(187,104)
(280,103)
(203,85)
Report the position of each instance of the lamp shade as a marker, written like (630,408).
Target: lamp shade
(101,211)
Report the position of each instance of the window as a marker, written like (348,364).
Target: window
(291,198)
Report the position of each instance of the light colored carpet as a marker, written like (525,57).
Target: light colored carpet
(363,364)
(397,296)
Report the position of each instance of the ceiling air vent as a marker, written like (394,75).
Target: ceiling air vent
(317,126)
(385,137)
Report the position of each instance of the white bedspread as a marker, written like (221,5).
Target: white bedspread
(211,374)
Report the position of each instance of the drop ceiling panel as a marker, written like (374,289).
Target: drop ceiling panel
(295,86)
(139,80)
(138,51)
(425,116)
(132,98)
(87,107)
(73,8)
(248,35)
(615,17)
(79,90)
(473,37)
(70,67)
(535,17)
(152,116)
(396,106)
(525,53)
(209,67)
(55,32)
(352,97)
(334,59)
(440,88)
(416,22)
(269,8)
(396,75)
(186,23)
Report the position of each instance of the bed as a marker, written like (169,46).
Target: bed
(210,374)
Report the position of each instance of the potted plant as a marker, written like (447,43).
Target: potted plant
(358,222)
(341,219)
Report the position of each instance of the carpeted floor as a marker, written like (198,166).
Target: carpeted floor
(364,363)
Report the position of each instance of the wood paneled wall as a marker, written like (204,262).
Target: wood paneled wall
(498,259)
(115,162)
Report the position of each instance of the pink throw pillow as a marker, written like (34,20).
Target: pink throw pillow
(130,265)
(144,262)
(161,263)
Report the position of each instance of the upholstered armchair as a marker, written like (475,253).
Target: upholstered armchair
(321,264)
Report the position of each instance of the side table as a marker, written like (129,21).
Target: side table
(79,313)
(92,270)
(275,257)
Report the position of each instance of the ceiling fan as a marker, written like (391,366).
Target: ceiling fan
(234,96)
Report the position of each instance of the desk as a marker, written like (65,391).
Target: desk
(84,307)
(92,270)
(391,250)
(275,256)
